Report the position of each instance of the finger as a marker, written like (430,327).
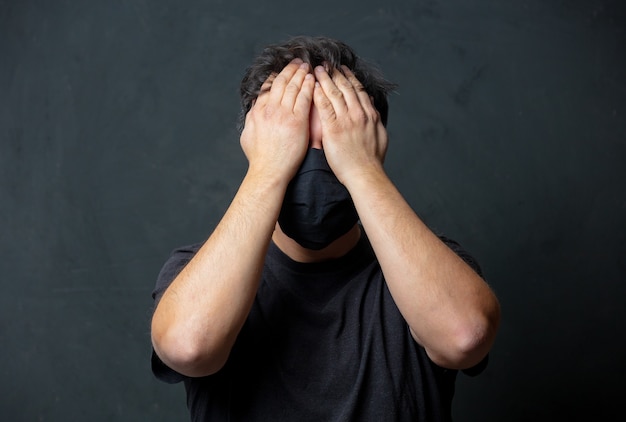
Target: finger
(292,90)
(265,88)
(282,80)
(324,106)
(349,92)
(302,105)
(365,99)
(331,92)
(268,83)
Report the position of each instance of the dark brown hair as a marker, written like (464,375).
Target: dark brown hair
(315,51)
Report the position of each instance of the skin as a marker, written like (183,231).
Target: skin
(450,310)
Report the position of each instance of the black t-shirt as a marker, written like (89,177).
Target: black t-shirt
(322,342)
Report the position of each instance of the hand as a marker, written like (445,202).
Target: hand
(276,132)
(353,136)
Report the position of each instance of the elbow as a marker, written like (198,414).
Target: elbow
(469,342)
(187,354)
(475,338)
(472,347)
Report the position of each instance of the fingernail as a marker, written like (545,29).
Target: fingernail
(297,60)
(320,69)
(304,66)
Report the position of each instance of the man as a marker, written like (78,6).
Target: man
(320,295)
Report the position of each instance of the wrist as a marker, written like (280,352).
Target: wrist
(366,178)
(263,176)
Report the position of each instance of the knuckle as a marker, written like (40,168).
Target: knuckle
(292,88)
(335,92)
(280,79)
(324,102)
(268,111)
(343,82)
(361,116)
(374,115)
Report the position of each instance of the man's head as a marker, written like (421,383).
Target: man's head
(316,51)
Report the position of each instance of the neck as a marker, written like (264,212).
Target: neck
(335,250)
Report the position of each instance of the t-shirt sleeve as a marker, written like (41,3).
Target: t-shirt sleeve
(469,260)
(178,259)
(462,253)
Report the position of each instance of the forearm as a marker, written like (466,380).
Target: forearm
(200,314)
(451,311)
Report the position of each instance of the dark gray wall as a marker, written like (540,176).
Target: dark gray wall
(118,143)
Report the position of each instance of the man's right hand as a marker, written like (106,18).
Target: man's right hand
(276,132)
(199,316)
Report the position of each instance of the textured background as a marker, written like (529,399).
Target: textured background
(118,143)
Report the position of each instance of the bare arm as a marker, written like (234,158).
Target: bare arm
(450,310)
(201,313)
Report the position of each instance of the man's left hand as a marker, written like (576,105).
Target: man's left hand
(353,136)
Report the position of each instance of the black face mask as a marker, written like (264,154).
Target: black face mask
(317,208)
